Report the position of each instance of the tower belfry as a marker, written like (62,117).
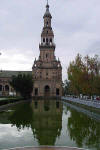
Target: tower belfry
(47,71)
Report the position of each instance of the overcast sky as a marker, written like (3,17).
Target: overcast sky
(76,25)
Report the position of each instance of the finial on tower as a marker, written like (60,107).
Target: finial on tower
(47,2)
(47,13)
(47,6)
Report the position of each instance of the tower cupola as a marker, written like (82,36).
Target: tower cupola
(47,13)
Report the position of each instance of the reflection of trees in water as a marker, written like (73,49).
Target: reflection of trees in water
(84,130)
(44,118)
(22,116)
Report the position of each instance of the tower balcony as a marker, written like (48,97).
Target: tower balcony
(47,45)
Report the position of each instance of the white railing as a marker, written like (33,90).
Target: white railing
(90,103)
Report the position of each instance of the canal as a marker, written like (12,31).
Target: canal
(52,123)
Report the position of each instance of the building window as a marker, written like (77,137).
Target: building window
(47,90)
(0,87)
(6,88)
(47,32)
(36,91)
(3,88)
(51,40)
(57,92)
(47,23)
(46,40)
(43,40)
(46,55)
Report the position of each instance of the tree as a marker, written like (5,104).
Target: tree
(75,72)
(84,75)
(23,84)
(66,88)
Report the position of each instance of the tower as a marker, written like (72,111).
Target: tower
(47,70)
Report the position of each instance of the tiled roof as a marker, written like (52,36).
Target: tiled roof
(9,74)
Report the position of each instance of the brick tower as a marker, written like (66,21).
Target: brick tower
(47,70)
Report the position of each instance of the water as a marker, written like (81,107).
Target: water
(48,123)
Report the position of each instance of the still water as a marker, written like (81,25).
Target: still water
(48,123)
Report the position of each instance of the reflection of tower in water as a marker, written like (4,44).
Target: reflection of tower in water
(47,121)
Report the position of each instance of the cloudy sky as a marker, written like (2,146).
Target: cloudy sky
(76,24)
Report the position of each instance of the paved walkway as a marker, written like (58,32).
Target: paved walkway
(90,103)
(47,148)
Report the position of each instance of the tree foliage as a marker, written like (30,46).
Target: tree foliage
(22,84)
(84,75)
(66,87)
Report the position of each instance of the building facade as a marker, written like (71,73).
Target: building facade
(47,70)
(5,78)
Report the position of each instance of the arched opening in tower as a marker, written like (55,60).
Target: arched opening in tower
(57,92)
(47,90)
(36,91)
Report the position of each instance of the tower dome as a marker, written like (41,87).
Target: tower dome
(47,13)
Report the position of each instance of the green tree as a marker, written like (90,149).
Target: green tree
(22,84)
(84,75)
(66,88)
(75,72)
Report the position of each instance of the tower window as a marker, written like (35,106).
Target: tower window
(51,40)
(57,92)
(43,39)
(0,87)
(46,55)
(46,40)
(36,91)
(47,32)
(47,23)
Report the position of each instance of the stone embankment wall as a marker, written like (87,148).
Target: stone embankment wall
(90,103)
(87,112)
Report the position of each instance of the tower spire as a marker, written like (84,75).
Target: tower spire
(47,2)
(47,13)
(47,6)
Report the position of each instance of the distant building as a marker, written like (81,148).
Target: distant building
(47,70)
(5,77)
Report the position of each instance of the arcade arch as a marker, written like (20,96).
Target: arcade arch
(47,90)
